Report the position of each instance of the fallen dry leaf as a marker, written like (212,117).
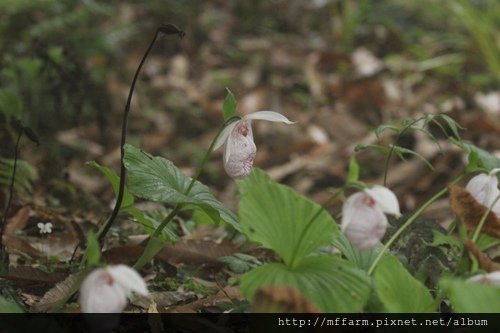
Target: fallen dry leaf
(29,275)
(484,261)
(469,211)
(281,299)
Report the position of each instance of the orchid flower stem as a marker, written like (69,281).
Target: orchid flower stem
(483,219)
(407,223)
(123,171)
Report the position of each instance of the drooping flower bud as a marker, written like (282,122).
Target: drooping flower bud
(363,220)
(240,149)
(484,188)
(240,152)
(105,290)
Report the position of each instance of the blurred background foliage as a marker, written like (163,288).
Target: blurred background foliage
(58,56)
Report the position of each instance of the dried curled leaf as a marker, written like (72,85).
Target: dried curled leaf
(28,274)
(281,299)
(470,212)
(61,292)
(485,262)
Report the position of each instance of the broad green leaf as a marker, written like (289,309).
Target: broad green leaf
(257,176)
(158,179)
(93,252)
(353,170)
(471,297)
(383,128)
(9,307)
(363,146)
(400,151)
(486,160)
(229,106)
(150,225)
(398,290)
(361,258)
(330,283)
(280,219)
(128,199)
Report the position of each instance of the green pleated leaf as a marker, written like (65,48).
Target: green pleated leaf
(128,199)
(330,283)
(361,258)
(280,219)
(471,297)
(158,179)
(398,290)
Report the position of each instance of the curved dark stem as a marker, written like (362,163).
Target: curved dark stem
(11,189)
(165,28)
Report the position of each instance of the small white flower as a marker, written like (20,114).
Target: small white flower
(484,188)
(491,278)
(240,149)
(45,228)
(106,289)
(363,220)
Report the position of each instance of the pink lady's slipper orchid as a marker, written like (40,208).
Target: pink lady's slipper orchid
(491,278)
(105,290)
(240,149)
(484,188)
(363,220)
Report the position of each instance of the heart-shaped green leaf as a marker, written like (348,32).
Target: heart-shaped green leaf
(330,283)
(280,219)
(158,179)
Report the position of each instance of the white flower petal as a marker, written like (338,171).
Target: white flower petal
(269,116)
(494,171)
(385,199)
(349,209)
(363,223)
(99,293)
(128,279)
(225,134)
(40,225)
(240,153)
(484,188)
(491,278)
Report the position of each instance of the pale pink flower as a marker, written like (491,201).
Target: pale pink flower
(105,290)
(363,219)
(484,188)
(491,278)
(240,149)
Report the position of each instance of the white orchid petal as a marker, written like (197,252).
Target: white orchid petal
(227,148)
(225,135)
(349,209)
(99,293)
(494,171)
(128,279)
(363,223)
(240,153)
(40,225)
(491,278)
(269,116)
(385,199)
